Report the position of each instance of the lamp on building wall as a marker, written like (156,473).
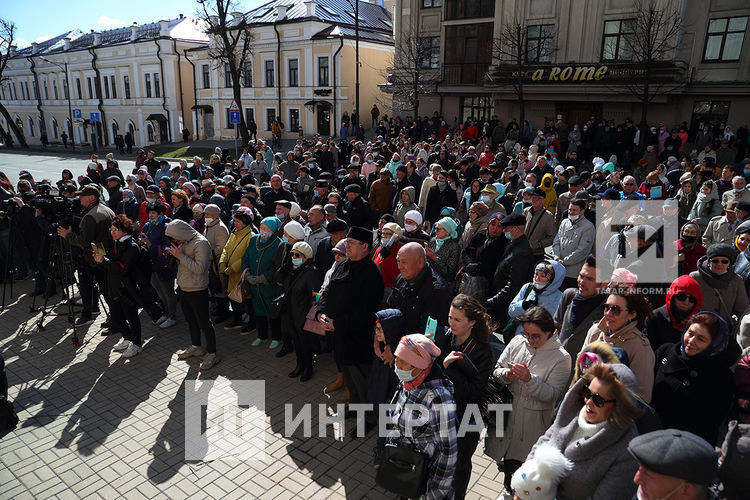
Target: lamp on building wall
(70,107)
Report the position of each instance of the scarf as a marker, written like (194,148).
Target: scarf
(439,242)
(413,384)
(581,307)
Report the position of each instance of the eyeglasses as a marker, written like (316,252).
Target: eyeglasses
(616,310)
(534,337)
(598,400)
(684,296)
(295,255)
(719,261)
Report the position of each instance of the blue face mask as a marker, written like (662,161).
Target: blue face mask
(747,171)
(285,239)
(280,216)
(509,236)
(342,176)
(297,262)
(484,198)
(404,375)
(736,190)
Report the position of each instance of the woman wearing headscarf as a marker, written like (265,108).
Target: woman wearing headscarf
(230,265)
(723,290)
(217,235)
(422,383)
(413,231)
(543,290)
(536,368)
(684,299)
(138,190)
(443,251)
(198,223)
(693,385)
(550,199)
(405,204)
(476,222)
(263,256)
(592,429)
(686,195)
(470,196)
(707,205)
(385,255)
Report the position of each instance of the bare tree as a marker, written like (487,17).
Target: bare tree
(7,37)
(514,51)
(410,73)
(654,36)
(232,37)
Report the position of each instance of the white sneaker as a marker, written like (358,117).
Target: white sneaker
(167,323)
(161,320)
(131,351)
(121,345)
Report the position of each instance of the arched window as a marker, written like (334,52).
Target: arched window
(149,132)
(53,127)
(68,127)
(19,123)
(115,129)
(131,129)
(31,126)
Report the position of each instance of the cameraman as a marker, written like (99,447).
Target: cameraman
(93,229)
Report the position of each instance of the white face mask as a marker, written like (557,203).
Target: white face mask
(574,218)
(540,285)
(410,227)
(209,220)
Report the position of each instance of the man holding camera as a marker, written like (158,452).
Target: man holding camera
(92,230)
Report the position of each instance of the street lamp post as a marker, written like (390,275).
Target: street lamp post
(70,107)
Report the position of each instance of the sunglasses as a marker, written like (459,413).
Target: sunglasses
(616,310)
(295,255)
(598,400)
(684,296)
(719,261)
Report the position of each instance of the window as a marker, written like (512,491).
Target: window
(54,89)
(478,108)
(229,125)
(269,74)
(249,116)
(126,86)
(54,128)
(724,39)
(34,88)
(615,43)
(430,52)
(709,112)
(15,91)
(323,72)
(78,88)
(157,85)
(206,76)
(270,117)
(148,85)
(466,9)
(65,89)
(539,42)
(150,132)
(114,89)
(31,126)
(247,74)
(227,76)
(106,88)
(293,120)
(431,3)
(46,92)
(467,54)
(293,73)
(91,89)
(24,91)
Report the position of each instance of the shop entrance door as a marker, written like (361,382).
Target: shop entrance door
(578,112)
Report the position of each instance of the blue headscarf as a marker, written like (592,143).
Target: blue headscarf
(273,223)
(717,345)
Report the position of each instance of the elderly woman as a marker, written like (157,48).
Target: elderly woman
(258,167)
(723,290)
(163,272)
(263,256)
(299,285)
(707,205)
(625,313)
(684,299)
(592,429)
(443,250)
(467,359)
(535,367)
(543,290)
(405,204)
(230,265)
(217,235)
(385,255)
(422,383)
(693,385)
(477,221)
(181,206)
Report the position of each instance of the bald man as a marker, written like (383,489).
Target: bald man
(419,292)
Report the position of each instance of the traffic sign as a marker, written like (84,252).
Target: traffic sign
(234,107)
(234,117)
(95,117)
(76,113)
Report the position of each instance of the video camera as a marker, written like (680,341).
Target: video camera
(57,209)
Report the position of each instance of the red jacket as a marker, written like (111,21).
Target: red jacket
(143,218)
(691,256)
(387,265)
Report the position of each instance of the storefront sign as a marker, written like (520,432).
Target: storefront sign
(584,73)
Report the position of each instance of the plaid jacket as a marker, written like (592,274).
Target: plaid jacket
(427,433)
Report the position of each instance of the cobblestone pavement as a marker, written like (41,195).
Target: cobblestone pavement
(96,425)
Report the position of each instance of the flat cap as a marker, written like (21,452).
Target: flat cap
(353,188)
(539,192)
(321,183)
(676,453)
(743,228)
(153,188)
(330,209)
(743,206)
(513,220)
(575,180)
(284,203)
(337,225)
(359,233)
(89,190)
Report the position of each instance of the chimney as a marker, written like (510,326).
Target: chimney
(133,32)
(66,43)
(97,38)
(280,12)
(34,47)
(310,5)
(237,17)
(12,50)
(181,16)
(164,28)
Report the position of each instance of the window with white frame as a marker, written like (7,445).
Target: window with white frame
(294,120)
(293,72)
(148,84)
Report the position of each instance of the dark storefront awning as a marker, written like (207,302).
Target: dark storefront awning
(157,117)
(207,108)
(322,104)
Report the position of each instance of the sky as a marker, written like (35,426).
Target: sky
(59,17)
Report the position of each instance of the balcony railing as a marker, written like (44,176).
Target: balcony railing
(465,73)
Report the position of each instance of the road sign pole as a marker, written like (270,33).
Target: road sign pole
(235,142)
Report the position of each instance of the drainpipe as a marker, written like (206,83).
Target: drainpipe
(278,58)
(100,105)
(179,82)
(163,93)
(43,129)
(341,46)
(195,97)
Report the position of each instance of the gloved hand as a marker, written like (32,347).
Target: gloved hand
(526,304)
(253,280)
(472,269)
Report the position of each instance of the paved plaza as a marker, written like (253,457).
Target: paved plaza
(95,425)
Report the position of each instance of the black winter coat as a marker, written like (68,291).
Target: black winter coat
(437,200)
(692,394)
(299,284)
(660,330)
(429,296)
(468,381)
(352,298)
(485,252)
(123,273)
(514,270)
(358,213)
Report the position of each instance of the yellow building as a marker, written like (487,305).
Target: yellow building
(302,68)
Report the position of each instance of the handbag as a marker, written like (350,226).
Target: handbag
(494,393)
(311,324)
(403,469)
(238,293)
(214,280)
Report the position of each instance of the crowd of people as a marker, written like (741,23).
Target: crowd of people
(449,263)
